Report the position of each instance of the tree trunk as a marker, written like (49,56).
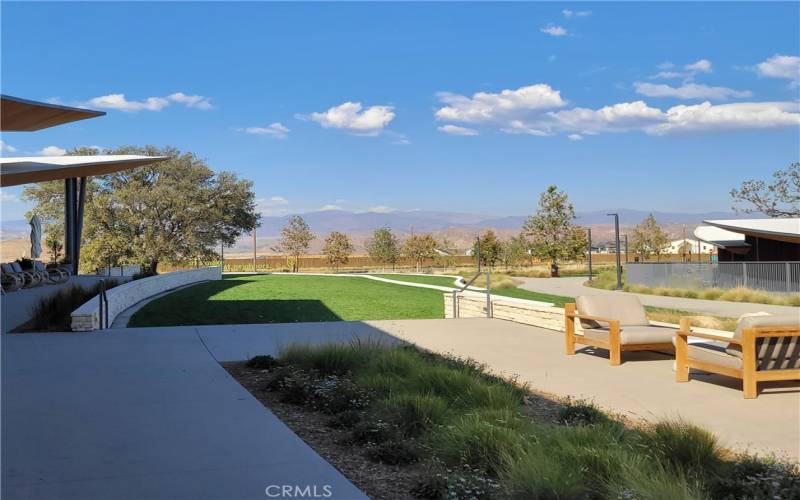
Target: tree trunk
(152,267)
(554,270)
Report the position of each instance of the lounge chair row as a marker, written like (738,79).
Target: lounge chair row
(763,348)
(13,277)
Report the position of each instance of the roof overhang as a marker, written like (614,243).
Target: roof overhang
(22,115)
(16,171)
(721,238)
(783,229)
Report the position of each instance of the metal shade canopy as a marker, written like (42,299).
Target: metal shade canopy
(25,170)
(22,115)
(781,229)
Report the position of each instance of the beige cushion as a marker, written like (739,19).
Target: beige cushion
(636,334)
(713,353)
(774,353)
(627,309)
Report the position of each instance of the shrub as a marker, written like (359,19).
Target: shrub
(685,449)
(264,362)
(643,482)
(415,414)
(277,376)
(54,313)
(330,359)
(373,431)
(334,394)
(433,487)
(297,387)
(581,413)
(752,478)
(346,419)
(394,452)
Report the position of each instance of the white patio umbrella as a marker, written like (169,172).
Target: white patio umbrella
(36,237)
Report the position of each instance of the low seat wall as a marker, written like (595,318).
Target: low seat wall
(527,312)
(87,317)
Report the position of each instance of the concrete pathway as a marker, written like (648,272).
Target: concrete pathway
(573,287)
(152,415)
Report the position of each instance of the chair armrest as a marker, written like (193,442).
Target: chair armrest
(709,336)
(591,318)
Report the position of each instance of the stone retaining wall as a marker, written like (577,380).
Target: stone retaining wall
(87,317)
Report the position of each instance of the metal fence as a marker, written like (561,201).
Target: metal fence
(770,276)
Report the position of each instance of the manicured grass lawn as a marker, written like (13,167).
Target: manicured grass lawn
(288,299)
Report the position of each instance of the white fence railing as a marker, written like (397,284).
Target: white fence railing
(781,277)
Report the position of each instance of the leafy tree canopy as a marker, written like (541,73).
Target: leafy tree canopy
(649,239)
(296,237)
(337,249)
(383,246)
(781,198)
(420,247)
(551,232)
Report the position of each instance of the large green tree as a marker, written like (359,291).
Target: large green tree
(488,248)
(337,249)
(383,247)
(551,232)
(296,238)
(420,247)
(170,211)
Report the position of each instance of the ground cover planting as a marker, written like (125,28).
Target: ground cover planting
(439,427)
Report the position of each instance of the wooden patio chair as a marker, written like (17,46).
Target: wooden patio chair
(10,280)
(763,348)
(617,323)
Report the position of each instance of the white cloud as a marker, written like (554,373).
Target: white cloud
(6,148)
(121,103)
(689,91)
(456,130)
(519,127)
(508,104)
(724,117)
(275,130)
(381,209)
(350,117)
(272,205)
(328,208)
(191,101)
(581,13)
(780,66)
(700,66)
(575,137)
(554,30)
(401,142)
(7,197)
(52,151)
(615,118)
(668,75)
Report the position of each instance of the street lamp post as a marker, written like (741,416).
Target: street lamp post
(616,239)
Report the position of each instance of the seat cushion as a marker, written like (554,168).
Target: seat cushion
(627,309)
(636,334)
(773,353)
(7,268)
(16,267)
(714,353)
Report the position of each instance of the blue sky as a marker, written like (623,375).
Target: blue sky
(457,107)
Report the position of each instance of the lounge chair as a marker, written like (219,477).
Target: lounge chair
(614,322)
(30,278)
(9,279)
(763,348)
(53,274)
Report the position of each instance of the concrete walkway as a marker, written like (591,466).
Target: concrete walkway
(152,415)
(573,287)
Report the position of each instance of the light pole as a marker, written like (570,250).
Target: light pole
(616,239)
(478,251)
(626,248)
(589,235)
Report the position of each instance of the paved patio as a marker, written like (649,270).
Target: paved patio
(149,413)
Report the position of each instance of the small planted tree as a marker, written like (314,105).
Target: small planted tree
(296,237)
(781,198)
(420,247)
(550,230)
(649,239)
(53,245)
(490,248)
(383,247)
(337,249)
(514,250)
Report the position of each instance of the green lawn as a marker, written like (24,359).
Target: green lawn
(518,293)
(288,299)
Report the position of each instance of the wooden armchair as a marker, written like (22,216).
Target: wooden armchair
(614,322)
(763,348)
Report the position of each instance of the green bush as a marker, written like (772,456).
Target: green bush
(751,478)
(54,313)
(266,362)
(334,394)
(685,449)
(415,414)
(297,387)
(373,431)
(394,452)
(581,413)
(346,419)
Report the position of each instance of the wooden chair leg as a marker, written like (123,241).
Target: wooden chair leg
(569,329)
(749,384)
(614,344)
(682,353)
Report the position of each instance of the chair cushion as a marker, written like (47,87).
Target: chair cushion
(17,267)
(7,268)
(39,266)
(627,309)
(636,334)
(714,353)
(773,353)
